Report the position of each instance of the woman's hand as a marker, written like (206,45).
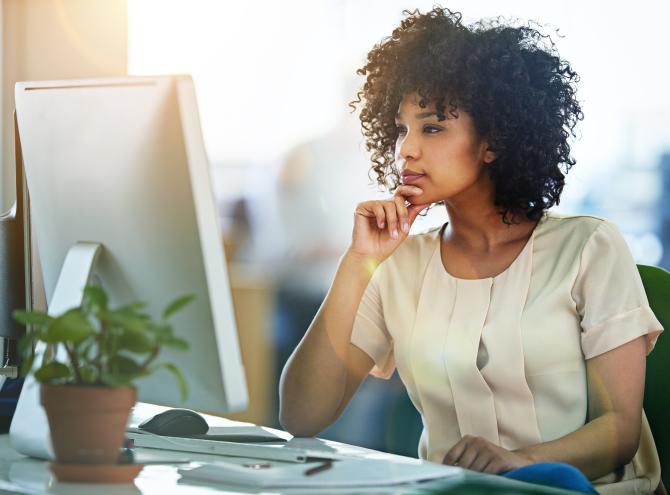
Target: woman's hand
(479,454)
(381,226)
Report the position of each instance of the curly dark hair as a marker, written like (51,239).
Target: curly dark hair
(520,94)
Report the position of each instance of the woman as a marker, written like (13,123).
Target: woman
(520,334)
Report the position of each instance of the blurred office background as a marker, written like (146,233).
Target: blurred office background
(287,161)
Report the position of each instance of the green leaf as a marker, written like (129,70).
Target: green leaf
(27,364)
(121,370)
(176,305)
(176,343)
(131,309)
(122,364)
(88,374)
(84,348)
(137,323)
(35,318)
(73,326)
(52,372)
(133,341)
(161,331)
(96,296)
(176,372)
(25,344)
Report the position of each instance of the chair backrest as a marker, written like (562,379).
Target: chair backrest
(656,283)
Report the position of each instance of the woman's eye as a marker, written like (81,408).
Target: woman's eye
(432,129)
(402,130)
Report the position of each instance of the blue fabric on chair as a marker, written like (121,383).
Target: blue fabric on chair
(554,474)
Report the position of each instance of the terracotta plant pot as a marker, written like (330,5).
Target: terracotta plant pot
(87,423)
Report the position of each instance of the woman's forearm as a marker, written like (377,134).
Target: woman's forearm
(313,381)
(597,448)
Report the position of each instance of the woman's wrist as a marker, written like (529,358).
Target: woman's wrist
(528,453)
(363,261)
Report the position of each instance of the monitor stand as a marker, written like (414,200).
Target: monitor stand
(29,432)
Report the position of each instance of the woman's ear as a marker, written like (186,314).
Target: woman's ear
(489,156)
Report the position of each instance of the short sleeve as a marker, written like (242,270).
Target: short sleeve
(370,333)
(609,295)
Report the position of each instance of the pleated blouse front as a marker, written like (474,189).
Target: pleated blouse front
(504,357)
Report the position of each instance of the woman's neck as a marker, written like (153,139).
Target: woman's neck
(480,228)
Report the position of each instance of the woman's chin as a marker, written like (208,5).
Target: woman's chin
(422,199)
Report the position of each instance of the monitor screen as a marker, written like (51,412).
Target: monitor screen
(121,162)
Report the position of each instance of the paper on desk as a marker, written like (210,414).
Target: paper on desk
(345,473)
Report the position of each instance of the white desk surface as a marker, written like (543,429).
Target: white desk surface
(23,475)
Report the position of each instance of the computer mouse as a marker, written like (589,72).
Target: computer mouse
(176,423)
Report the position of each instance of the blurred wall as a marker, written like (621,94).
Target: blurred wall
(55,39)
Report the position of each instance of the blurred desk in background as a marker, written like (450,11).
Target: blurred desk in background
(253,297)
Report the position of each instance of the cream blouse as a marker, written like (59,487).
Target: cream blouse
(504,357)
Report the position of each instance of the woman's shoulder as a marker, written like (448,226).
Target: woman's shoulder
(575,227)
(574,235)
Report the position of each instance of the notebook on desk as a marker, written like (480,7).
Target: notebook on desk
(295,450)
(267,451)
(347,473)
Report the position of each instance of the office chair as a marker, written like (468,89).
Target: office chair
(656,283)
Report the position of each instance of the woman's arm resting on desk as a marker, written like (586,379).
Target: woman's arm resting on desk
(610,438)
(325,370)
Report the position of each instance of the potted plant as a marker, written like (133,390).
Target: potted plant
(87,390)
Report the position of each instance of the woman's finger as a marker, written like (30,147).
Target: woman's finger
(494,467)
(455,452)
(468,457)
(482,460)
(380,214)
(372,210)
(391,218)
(403,215)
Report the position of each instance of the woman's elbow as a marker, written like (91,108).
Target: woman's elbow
(629,449)
(298,427)
(629,440)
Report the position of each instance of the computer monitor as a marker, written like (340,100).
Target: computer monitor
(120,195)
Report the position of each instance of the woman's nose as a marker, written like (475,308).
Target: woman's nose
(408,147)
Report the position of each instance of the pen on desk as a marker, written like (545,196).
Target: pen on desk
(317,469)
(258,465)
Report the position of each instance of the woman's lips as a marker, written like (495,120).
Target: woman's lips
(409,178)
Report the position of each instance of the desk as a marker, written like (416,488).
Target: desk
(21,475)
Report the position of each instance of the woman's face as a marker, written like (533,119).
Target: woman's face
(447,154)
